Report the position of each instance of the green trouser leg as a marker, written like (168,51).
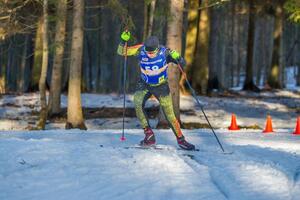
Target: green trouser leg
(139,100)
(167,106)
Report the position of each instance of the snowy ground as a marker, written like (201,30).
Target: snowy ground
(250,109)
(94,165)
(88,165)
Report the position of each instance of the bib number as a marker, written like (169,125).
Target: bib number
(152,68)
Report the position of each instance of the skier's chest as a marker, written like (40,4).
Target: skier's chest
(153,65)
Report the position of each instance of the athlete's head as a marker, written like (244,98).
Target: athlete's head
(151,46)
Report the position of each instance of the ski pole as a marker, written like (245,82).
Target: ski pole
(199,104)
(124,90)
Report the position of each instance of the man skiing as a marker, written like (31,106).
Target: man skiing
(153,60)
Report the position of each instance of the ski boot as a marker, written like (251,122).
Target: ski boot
(184,144)
(149,139)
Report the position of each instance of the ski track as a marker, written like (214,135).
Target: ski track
(296,185)
(274,166)
(195,164)
(297,175)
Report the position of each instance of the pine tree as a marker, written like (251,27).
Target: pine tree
(275,79)
(55,88)
(75,114)
(249,83)
(42,82)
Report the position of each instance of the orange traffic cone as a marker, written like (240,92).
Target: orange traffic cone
(297,129)
(233,126)
(269,128)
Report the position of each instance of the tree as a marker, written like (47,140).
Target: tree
(24,68)
(42,82)
(174,41)
(38,55)
(149,9)
(191,40)
(249,83)
(174,35)
(2,68)
(275,79)
(75,115)
(55,88)
(200,64)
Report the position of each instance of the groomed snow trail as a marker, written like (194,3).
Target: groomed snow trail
(94,165)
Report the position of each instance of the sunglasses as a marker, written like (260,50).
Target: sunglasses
(152,53)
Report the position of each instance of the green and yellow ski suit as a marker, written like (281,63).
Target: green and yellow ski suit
(160,90)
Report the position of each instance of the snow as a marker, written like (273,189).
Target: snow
(250,109)
(94,165)
(91,165)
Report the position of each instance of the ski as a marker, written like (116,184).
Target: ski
(158,147)
(183,152)
(169,148)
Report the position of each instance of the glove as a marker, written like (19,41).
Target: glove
(174,54)
(125,36)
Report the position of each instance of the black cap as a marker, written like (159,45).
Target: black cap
(151,43)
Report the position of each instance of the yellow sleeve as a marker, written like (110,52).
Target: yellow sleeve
(131,51)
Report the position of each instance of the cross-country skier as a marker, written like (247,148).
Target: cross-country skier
(153,60)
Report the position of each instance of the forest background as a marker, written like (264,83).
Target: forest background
(70,46)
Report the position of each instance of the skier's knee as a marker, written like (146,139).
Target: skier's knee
(167,105)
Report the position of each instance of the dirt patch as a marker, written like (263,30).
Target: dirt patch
(194,125)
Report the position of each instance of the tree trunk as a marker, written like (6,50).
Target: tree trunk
(151,17)
(268,48)
(235,48)
(200,64)
(146,19)
(67,51)
(28,63)
(91,57)
(42,82)
(55,88)
(233,43)
(3,65)
(9,68)
(22,75)
(75,115)
(275,74)
(261,46)
(191,38)
(38,52)
(214,40)
(174,41)
(222,47)
(149,9)
(249,83)
(13,63)
(238,45)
